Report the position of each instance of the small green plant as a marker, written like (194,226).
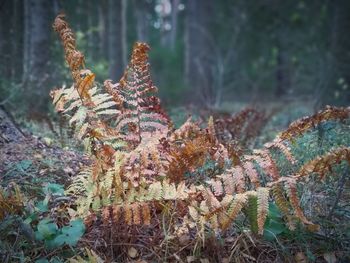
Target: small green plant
(274,224)
(55,237)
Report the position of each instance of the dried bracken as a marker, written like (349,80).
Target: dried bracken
(323,164)
(141,167)
(11,201)
(301,126)
(241,128)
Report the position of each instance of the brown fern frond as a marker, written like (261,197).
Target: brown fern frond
(241,128)
(281,201)
(323,164)
(301,126)
(265,161)
(146,213)
(217,187)
(234,209)
(142,114)
(283,204)
(85,104)
(211,200)
(189,130)
(11,200)
(74,58)
(137,220)
(291,189)
(146,162)
(117,212)
(252,174)
(106,215)
(187,157)
(128,216)
(263,207)
(278,144)
(83,78)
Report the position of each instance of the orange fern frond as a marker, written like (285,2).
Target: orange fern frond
(291,189)
(188,130)
(323,164)
(278,144)
(128,216)
(146,213)
(83,78)
(300,126)
(234,209)
(142,113)
(252,174)
(187,157)
(263,207)
(136,214)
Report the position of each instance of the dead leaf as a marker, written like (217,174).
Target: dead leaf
(330,257)
(300,258)
(38,156)
(132,252)
(47,141)
(190,259)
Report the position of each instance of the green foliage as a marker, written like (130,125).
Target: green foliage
(251,212)
(54,237)
(274,224)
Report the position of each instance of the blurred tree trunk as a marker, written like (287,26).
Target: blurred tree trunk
(39,54)
(116,38)
(124,34)
(337,57)
(103,29)
(174,16)
(142,24)
(338,87)
(90,30)
(26,42)
(282,74)
(16,41)
(6,32)
(93,27)
(198,72)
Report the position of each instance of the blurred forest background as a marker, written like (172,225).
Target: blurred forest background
(206,53)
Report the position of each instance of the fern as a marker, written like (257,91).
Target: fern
(301,126)
(263,207)
(11,201)
(139,161)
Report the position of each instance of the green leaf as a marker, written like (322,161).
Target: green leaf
(42,260)
(42,206)
(46,228)
(273,228)
(71,234)
(55,189)
(24,165)
(59,240)
(274,212)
